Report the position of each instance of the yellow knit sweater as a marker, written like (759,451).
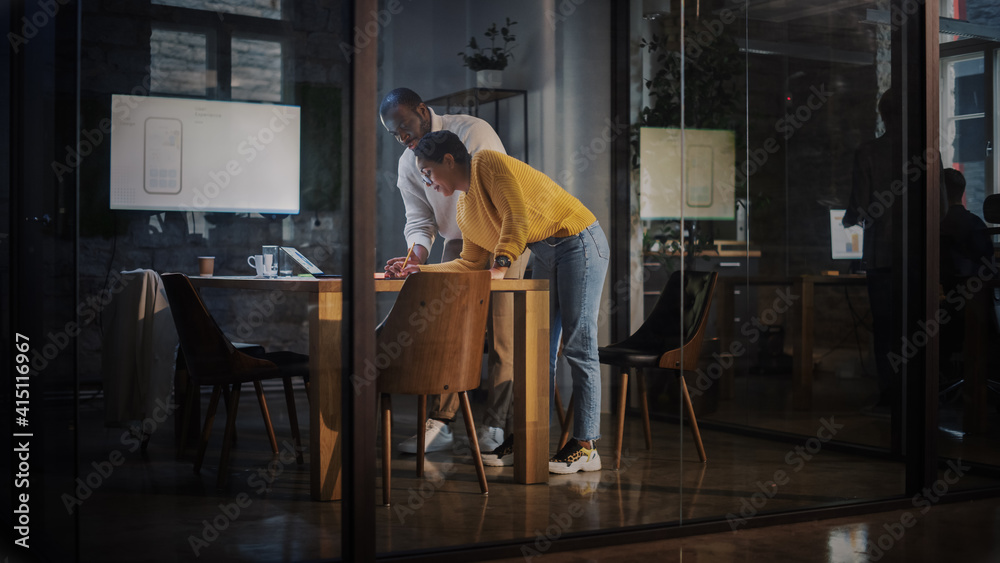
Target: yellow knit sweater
(509,205)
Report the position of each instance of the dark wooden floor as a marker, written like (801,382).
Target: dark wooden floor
(154,508)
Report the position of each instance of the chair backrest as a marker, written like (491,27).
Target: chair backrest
(991,208)
(207,351)
(662,328)
(432,340)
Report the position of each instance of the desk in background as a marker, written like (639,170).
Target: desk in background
(531,372)
(802,323)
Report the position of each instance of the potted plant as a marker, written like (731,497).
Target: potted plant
(488,62)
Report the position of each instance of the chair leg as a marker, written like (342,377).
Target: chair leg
(470,428)
(267,415)
(213,404)
(386,448)
(694,421)
(644,402)
(621,420)
(567,422)
(293,418)
(188,413)
(227,437)
(421,435)
(225,401)
(560,412)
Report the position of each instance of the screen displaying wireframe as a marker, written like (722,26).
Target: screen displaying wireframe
(845,242)
(174,154)
(710,158)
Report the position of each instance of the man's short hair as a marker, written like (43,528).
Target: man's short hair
(954,183)
(399,97)
(436,144)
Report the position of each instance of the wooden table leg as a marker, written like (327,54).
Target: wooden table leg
(726,321)
(802,364)
(325,445)
(531,387)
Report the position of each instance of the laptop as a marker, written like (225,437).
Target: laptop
(306,264)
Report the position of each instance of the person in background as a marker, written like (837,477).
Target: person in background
(872,175)
(964,242)
(428,214)
(505,207)
(965,248)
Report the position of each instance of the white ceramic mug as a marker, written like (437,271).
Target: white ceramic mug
(257,262)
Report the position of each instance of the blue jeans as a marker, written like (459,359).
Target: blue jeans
(575,267)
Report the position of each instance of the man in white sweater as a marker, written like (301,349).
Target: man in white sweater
(428,214)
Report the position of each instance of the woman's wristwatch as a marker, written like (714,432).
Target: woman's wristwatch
(501,262)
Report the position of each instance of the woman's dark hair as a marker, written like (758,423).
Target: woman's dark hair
(436,144)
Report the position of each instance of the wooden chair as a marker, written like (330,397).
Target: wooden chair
(435,334)
(211,359)
(659,344)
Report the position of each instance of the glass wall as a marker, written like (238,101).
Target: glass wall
(143,131)
(772,245)
(969,296)
(788,374)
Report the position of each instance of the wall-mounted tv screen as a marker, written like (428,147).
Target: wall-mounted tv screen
(176,154)
(711,173)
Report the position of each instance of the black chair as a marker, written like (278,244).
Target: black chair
(212,359)
(660,344)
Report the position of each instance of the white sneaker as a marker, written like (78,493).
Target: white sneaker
(489,438)
(437,437)
(573,457)
(502,456)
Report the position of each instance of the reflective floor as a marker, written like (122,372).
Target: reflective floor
(154,508)
(963,532)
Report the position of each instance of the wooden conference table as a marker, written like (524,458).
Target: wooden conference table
(531,371)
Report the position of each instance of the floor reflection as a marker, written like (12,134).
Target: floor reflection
(158,500)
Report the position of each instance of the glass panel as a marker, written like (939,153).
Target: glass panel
(178,62)
(963,125)
(256,70)
(968,288)
(270,9)
(790,365)
(210,156)
(557,85)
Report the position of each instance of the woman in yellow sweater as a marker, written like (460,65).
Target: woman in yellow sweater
(504,207)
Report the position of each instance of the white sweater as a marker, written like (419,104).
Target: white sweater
(428,212)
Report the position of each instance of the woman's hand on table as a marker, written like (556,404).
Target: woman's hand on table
(394,266)
(397,271)
(497,273)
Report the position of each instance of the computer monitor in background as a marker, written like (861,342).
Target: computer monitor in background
(175,154)
(845,243)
